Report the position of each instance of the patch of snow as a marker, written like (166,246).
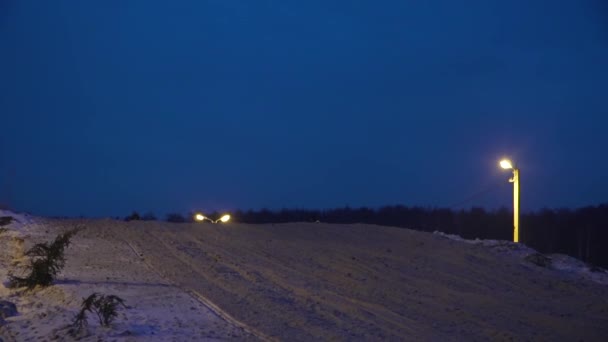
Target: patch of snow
(23,224)
(565,264)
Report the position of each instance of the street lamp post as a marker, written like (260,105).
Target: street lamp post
(508,165)
(200,218)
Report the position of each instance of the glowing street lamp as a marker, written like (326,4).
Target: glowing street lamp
(224,218)
(200,218)
(508,165)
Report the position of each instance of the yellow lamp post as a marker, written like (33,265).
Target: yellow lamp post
(508,165)
(200,218)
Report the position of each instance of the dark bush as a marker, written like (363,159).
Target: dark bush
(148,217)
(133,217)
(175,218)
(539,260)
(6,220)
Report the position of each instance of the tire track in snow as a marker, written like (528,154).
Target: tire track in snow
(197,295)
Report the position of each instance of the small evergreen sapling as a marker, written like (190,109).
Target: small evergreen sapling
(46,261)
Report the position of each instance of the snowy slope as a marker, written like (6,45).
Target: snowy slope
(307,281)
(96,262)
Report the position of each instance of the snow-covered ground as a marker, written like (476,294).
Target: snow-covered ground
(97,262)
(565,265)
(300,281)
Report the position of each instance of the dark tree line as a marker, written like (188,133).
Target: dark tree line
(581,233)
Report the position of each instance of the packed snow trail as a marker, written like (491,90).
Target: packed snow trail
(301,281)
(341,282)
(205,301)
(98,261)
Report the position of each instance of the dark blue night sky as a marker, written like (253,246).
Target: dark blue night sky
(112,106)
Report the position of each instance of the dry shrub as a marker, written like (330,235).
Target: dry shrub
(104,306)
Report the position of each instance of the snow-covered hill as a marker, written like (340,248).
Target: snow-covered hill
(303,281)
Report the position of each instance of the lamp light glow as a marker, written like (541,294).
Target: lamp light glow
(200,218)
(506,164)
